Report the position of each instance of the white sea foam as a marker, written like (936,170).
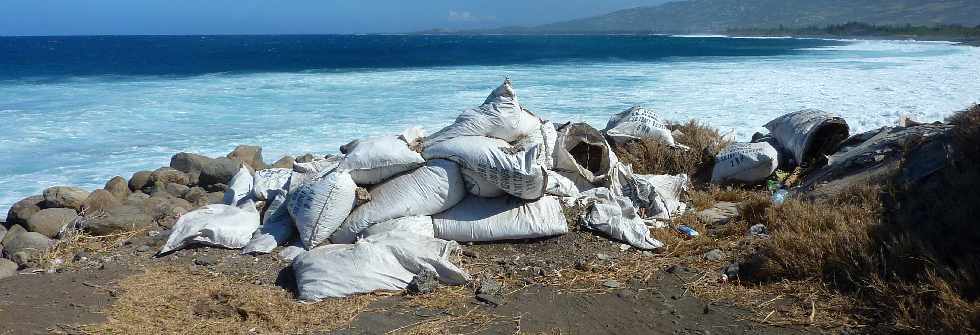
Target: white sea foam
(85,130)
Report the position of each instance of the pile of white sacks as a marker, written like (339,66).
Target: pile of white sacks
(392,207)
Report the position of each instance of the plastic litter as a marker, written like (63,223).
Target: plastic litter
(319,207)
(582,153)
(214,225)
(688,231)
(428,190)
(277,226)
(745,162)
(638,123)
(239,191)
(616,217)
(501,116)
(810,134)
(421,225)
(270,180)
(489,167)
(505,218)
(779,197)
(374,160)
(385,262)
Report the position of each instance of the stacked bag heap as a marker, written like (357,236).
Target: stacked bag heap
(389,208)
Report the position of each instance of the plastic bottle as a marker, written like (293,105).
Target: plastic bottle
(779,197)
(688,231)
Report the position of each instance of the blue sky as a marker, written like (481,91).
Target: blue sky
(89,17)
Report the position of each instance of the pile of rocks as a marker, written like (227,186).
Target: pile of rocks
(151,200)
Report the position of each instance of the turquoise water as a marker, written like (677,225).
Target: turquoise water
(81,125)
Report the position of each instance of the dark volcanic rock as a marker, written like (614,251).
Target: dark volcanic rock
(167,175)
(99,201)
(208,170)
(23,209)
(64,197)
(250,155)
(7,268)
(120,219)
(197,196)
(26,246)
(139,181)
(13,231)
(423,283)
(286,162)
(48,222)
(118,187)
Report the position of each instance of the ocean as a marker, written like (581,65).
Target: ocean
(80,110)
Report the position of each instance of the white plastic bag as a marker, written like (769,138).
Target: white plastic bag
(505,218)
(745,162)
(385,262)
(310,171)
(809,134)
(658,195)
(546,138)
(374,160)
(638,123)
(582,151)
(428,190)
(240,190)
(559,185)
(214,225)
(500,117)
(488,166)
(668,190)
(420,225)
(320,206)
(616,217)
(277,226)
(269,180)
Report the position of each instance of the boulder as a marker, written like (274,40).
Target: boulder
(248,154)
(305,158)
(216,198)
(167,175)
(206,170)
(64,197)
(120,219)
(49,222)
(7,268)
(26,246)
(118,187)
(3,232)
(23,209)
(99,201)
(11,233)
(139,180)
(136,198)
(166,209)
(176,190)
(286,162)
(196,196)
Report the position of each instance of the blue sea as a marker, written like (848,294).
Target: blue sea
(80,110)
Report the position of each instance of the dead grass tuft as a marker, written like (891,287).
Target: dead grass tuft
(655,157)
(177,300)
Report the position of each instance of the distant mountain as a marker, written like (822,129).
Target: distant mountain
(706,16)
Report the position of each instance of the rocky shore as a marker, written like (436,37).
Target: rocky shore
(756,263)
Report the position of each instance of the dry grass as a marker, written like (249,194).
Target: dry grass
(177,300)
(905,255)
(655,157)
